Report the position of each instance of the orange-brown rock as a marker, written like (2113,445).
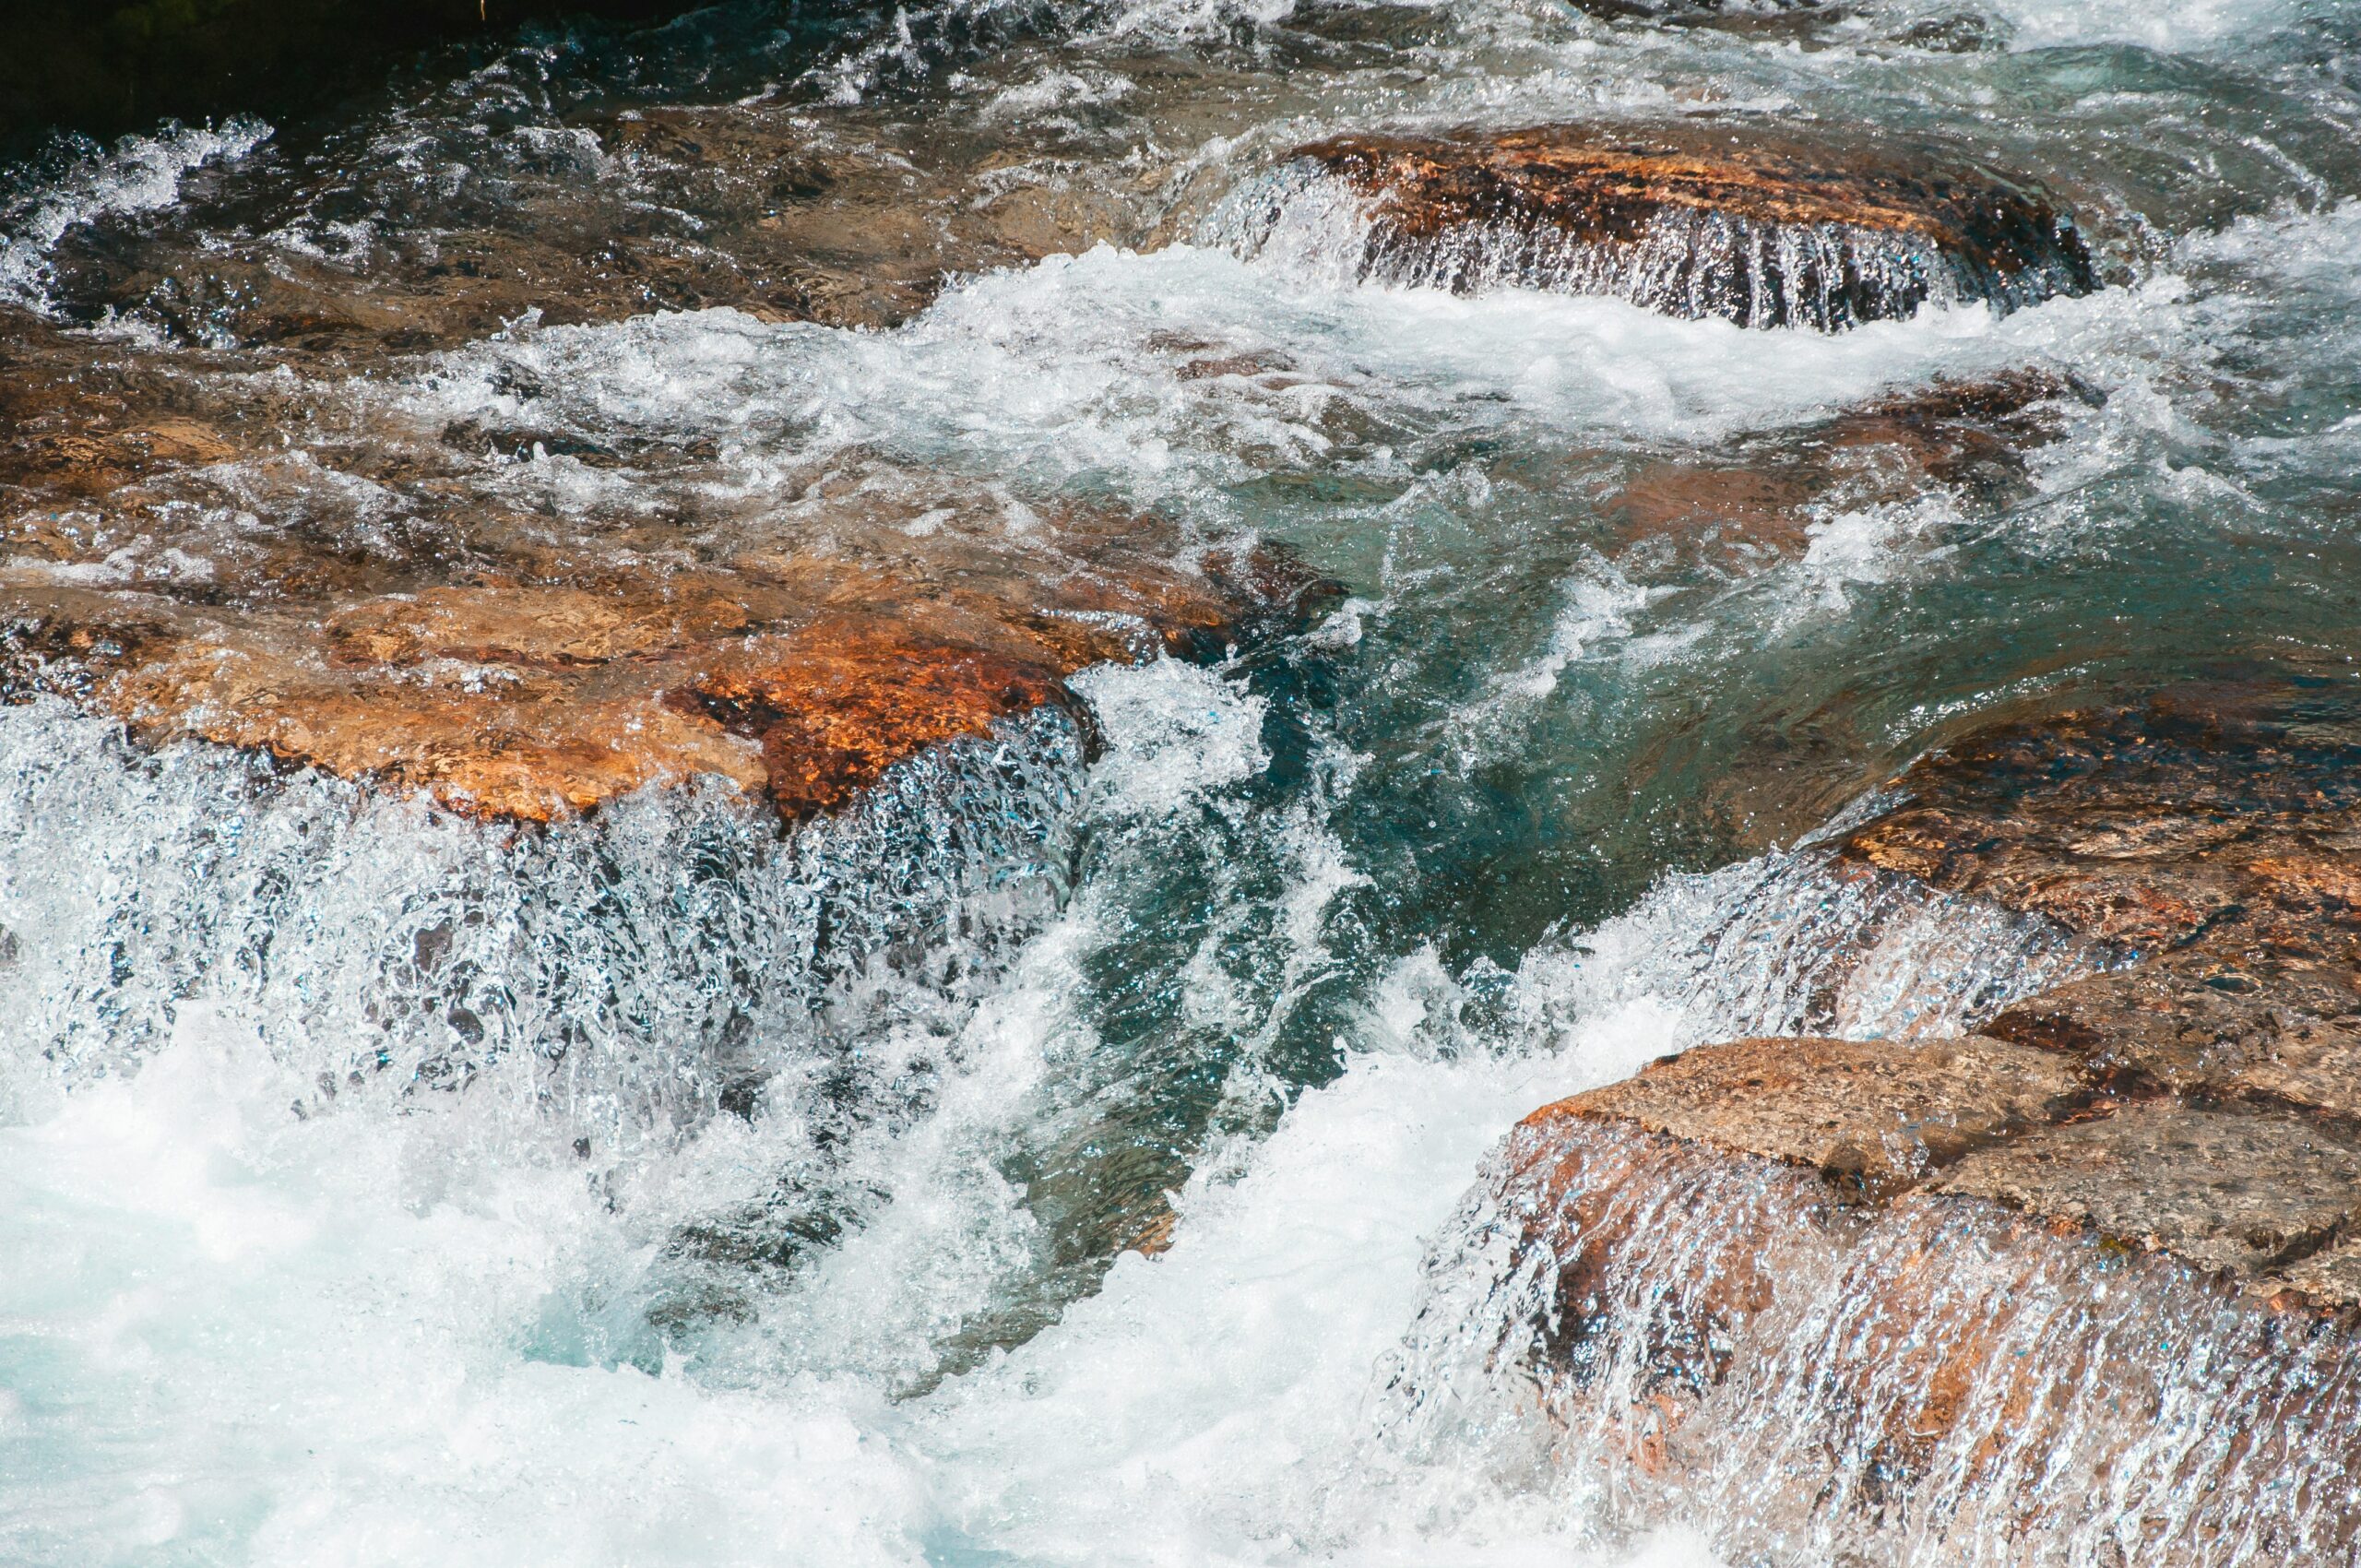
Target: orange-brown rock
(2112,1240)
(1738,1343)
(2223,814)
(2203,1101)
(1707,218)
(2212,1023)
(1874,1118)
(897,612)
(2242,1191)
(840,702)
(1763,501)
(377,602)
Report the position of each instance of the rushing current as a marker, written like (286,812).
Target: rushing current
(1054,1160)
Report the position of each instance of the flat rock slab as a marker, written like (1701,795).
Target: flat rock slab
(515,670)
(2228,813)
(2236,1190)
(1875,1115)
(2331,1276)
(1761,226)
(2211,1023)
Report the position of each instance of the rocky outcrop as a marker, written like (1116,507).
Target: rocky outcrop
(884,613)
(2204,1097)
(1929,1264)
(1706,219)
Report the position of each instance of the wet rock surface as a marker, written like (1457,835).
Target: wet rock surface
(1761,227)
(2197,1098)
(1938,1274)
(2214,815)
(1873,1118)
(1765,501)
(510,670)
(1945,1373)
(2239,1190)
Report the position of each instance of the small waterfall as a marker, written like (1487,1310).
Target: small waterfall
(1690,263)
(1795,943)
(1672,1334)
(616,978)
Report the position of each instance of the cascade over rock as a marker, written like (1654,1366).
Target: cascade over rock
(1764,227)
(2173,1139)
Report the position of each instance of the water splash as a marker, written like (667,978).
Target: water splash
(139,175)
(1794,943)
(616,979)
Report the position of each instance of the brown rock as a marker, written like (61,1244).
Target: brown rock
(2331,1276)
(840,702)
(903,614)
(2240,1190)
(1711,1338)
(1931,1285)
(2207,1023)
(1598,1199)
(1970,435)
(1707,219)
(2231,814)
(378,604)
(1877,1116)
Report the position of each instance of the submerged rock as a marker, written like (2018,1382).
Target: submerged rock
(1969,436)
(2219,814)
(1691,10)
(1704,219)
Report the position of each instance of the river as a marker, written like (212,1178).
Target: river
(1039,1162)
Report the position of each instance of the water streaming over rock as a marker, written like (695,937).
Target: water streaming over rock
(1935,1383)
(1087,1147)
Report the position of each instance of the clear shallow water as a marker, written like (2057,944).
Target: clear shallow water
(783,1214)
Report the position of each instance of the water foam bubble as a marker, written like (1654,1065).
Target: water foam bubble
(141,173)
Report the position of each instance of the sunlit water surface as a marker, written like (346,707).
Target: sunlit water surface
(378,1188)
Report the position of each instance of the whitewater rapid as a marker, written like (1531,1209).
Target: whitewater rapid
(378,1187)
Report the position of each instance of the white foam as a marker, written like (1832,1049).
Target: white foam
(1174,730)
(140,174)
(1079,368)
(287,1351)
(1223,1390)
(2168,25)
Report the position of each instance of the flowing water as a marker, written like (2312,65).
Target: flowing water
(382,1186)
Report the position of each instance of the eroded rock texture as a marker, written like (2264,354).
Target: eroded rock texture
(1765,227)
(2108,1246)
(2200,1097)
